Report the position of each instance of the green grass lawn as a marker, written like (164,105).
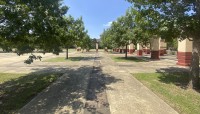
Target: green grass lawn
(62,59)
(70,50)
(18,89)
(172,89)
(129,59)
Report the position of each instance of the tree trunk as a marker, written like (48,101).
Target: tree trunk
(194,67)
(67,57)
(126,51)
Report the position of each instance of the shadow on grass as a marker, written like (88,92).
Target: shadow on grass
(75,58)
(176,76)
(128,59)
(148,59)
(65,90)
(90,58)
(81,58)
(111,52)
(173,57)
(17,92)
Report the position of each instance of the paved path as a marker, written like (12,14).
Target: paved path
(11,63)
(125,94)
(66,95)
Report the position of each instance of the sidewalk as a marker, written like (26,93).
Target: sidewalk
(66,95)
(126,95)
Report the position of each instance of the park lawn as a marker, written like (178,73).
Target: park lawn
(63,59)
(128,59)
(70,50)
(172,89)
(18,89)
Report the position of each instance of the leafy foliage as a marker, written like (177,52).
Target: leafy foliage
(86,42)
(32,24)
(172,19)
(27,25)
(125,30)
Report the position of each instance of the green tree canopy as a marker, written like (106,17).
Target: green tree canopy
(30,24)
(172,19)
(72,33)
(125,30)
(27,25)
(86,42)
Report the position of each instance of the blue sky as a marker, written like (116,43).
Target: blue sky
(97,14)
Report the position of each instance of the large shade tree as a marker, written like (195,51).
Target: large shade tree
(32,23)
(106,41)
(86,42)
(124,31)
(118,34)
(27,25)
(174,19)
(119,30)
(72,33)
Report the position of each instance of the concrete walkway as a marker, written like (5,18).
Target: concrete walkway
(67,94)
(126,95)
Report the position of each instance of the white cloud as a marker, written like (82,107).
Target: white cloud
(108,24)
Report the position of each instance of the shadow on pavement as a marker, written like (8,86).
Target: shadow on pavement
(117,53)
(97,102)
(65,95)
(98,82)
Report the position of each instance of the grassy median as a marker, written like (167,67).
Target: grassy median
(63,59)
(171,87)
(18,89)
(128,59)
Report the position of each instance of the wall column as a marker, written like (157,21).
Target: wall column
(124,49)
(128,48)
(184,54)
(106,49)
(97,47)
(78,49)
(120,49)
(131,48)
(155,48)
(117,49)
(163,47)
(139,50)
(147,49)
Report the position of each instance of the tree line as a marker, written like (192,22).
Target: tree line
(27,25)
(167,19)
